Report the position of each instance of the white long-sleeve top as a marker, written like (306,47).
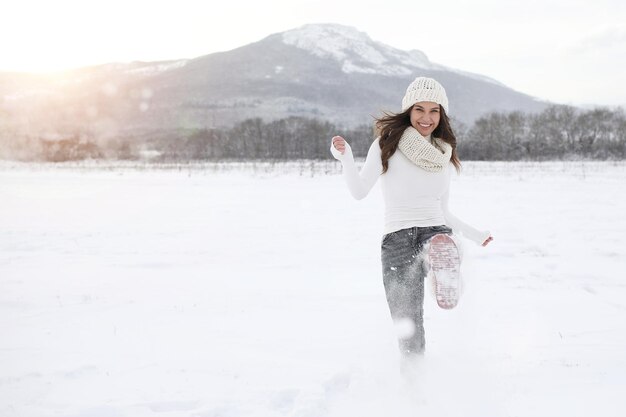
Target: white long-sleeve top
(412,195)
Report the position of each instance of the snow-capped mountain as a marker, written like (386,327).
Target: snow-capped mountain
(327,71)
(355,51)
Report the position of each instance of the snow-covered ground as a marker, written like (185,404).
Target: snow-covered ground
(191,292)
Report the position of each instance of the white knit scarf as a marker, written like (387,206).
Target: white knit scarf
(422,152)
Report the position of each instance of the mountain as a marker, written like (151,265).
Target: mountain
(326,71)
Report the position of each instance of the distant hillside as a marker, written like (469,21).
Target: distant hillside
(326,71)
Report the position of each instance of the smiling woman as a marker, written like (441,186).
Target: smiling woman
(413,156)
(425,117)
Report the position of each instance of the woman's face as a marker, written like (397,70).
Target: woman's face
(425,117)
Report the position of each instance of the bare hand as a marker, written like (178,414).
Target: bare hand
(486,242)
(339,143)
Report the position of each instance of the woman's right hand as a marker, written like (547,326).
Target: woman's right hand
(340,144)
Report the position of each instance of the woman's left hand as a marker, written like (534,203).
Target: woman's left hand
(489,239)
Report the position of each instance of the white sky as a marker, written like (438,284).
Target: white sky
(567,51)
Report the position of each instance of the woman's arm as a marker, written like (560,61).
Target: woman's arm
(359,183)
(457,225)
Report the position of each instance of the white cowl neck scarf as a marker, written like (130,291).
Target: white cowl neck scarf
(422,152)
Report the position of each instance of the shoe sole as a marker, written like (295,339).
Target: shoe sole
(445,262)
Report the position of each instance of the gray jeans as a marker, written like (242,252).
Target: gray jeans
(405,267)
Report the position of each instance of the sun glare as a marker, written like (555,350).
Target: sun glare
(50,39)
(53,36)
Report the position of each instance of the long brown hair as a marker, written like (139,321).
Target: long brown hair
(390,127)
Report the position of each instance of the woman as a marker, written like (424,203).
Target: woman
(418,224)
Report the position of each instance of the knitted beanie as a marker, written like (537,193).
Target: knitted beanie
(425,89)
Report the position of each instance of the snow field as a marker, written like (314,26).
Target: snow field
(196,293)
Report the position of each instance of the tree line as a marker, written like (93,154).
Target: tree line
(559,132)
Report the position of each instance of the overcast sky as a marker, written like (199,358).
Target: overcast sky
(566,51)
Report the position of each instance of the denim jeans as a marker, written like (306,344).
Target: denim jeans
(405,267)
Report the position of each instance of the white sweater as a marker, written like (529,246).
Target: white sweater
(412,195)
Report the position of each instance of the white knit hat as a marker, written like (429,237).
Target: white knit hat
(425,89)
